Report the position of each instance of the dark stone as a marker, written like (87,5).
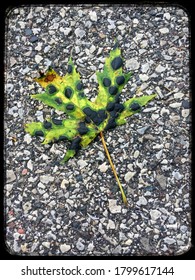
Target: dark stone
(113,90)
(33,39)
(120,80)
(47,125)
(79,86)
(39,133)
(186,104)
(117,63)
(57,122)
(58,100)
(110,106)
(70,69)
(52,89)
(75,144)
(106,82)
(89,112)
(70,107)
(135,106)
(82,128)
(28,32)
(68,92)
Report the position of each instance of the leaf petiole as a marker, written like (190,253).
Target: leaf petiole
(113,169)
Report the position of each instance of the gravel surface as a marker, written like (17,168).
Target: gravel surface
(76,209)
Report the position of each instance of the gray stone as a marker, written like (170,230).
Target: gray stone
(80,33)
(142,130)
(162,180)
(132,64)
(169,240)
(45,179)
(82,163)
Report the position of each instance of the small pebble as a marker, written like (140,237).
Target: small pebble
(164,30)
(129,175)
(82,163)
(93,15)
(65,248)
(103,167)
(113,207)
(155,214)
(10,176)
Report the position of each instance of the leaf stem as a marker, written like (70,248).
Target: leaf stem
(113,169)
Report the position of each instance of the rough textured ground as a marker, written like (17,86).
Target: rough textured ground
(76,209)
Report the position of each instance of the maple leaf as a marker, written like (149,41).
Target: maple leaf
(86,119)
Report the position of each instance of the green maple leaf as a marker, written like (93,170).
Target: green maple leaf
(85,119)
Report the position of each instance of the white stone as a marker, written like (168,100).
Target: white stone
(80,246)
(177,175)
(46,244)
(64,183)
(129,175)
(155,214)
(66,30)
(103,167)
(10,176)
(132,64)
(160,68)
(164,111)
(128,242)
(82,163)
(185,113)
(65,248)
(178,95)
(142,201)
(143,77)
(169,240)
(38,58)
(30,165)
(90,247)
(136,154)
(175,105)
(144,44)
(93,15)
(164,30)
(92,49)
(145,67)
(45,179)
(167,16)
(110,225)
(26,207)
(159,154)
(135,21)
(114,208)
